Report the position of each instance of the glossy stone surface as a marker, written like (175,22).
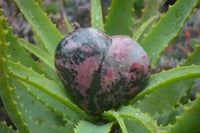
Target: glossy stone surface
(101,72)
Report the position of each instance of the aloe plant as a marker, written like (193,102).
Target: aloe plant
(37,102)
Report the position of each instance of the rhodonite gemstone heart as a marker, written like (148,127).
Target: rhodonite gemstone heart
(101,72)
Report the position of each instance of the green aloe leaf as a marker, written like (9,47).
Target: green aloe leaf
(46,58)
(167,28)
(48,70)
(37,116)
(166,77)
(17,52)
(143,29)
(88,127)
(37,80)
(137,121)
(96,14)
(138,5)
(169,116)
(53,103)
(194,42)
(39,42)
(120,120)
(40,23)
(189,119)
(68,24)
(170,95)
(5,129)
(151,9)
(45,120)
(134,126)
(48,86)
(193,58)
(5,90)
(119,19)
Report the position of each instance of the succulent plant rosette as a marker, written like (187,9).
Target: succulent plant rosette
(102,78)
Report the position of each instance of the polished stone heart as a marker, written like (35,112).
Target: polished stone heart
(101,72)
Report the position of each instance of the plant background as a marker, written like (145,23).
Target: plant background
(78,14)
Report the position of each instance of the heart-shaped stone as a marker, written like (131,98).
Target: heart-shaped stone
(101,72)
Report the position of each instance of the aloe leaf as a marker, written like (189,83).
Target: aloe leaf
(193,58)
(5,89)
(170,95)
(133,125)
(194,42)
(138,5)
(38,116)
(96,14)
(48,86)
(120,120)
(46,58)
(68,24)
(40,23)
(168,117)
(137,121)
(88,127)
(190,119)
(30,76)
(119,19)
(48,70)
(52,103)
(138,35)
(47,61)
(17,52)
(5,129)
(166,77)
(40,4)
(151,9)
(167,28)
(39,42)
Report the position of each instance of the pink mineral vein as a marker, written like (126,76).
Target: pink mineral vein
(108,79)
(71,44)
(85,73)
(120,47)
(58,62)
(109,73)
(144,56)
(86,49)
